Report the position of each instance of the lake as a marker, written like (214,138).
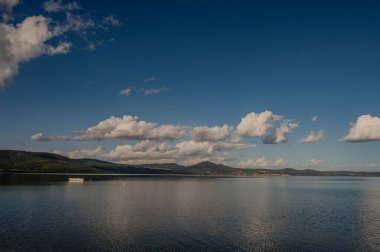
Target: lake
(179,213)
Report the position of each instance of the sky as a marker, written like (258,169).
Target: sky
(254,84)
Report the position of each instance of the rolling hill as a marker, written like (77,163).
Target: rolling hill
(41,162)
(12,161)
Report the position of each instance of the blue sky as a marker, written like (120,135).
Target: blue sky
(192,64)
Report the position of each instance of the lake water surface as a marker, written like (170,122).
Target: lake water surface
(171,213)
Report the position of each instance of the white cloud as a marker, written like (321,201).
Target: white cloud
(126,91)
(271,127)
(62,48)
(39,137)
(6,7)
(310,164)
(32,37)
(94,153)
(58,6)
(315,118)
(279,135)
(9,4)
(145,150)
(211,134)
(366,167)
(26,41)
(150,79)
(111,21)
(126,127)
(192,148)
(130,127)
(261,163)
(145,91)
(314,162)
(56,151)
(152,91)
(273,130)
(79,23)
(256,124)
(314,137)
(223,146)
(185,152)
(373,165)
(366,128)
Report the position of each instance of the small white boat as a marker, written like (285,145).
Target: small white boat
(76,180)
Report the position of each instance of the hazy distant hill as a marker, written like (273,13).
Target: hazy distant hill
(211,168)
(170,166)
(41,162)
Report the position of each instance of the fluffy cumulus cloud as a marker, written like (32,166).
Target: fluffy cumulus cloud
(366,128)
(31,38)
(256,124)
(180,143)
(145,150)
(315,118)
(314,137)
(126,127)
(25,41)
(185,152)
(130,127)
(261,163)
(211,134)
(271,127)
(279,136)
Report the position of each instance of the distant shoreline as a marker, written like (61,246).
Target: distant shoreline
(23,162)
(178,175)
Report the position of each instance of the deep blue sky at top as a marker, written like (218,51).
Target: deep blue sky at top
(218,60)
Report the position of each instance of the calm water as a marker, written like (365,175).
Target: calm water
(149,213)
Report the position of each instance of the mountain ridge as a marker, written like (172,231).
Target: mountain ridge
(14,161)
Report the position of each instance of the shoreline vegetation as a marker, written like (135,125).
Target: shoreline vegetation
(12,161)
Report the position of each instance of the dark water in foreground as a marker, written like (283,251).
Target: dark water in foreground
(189,213)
